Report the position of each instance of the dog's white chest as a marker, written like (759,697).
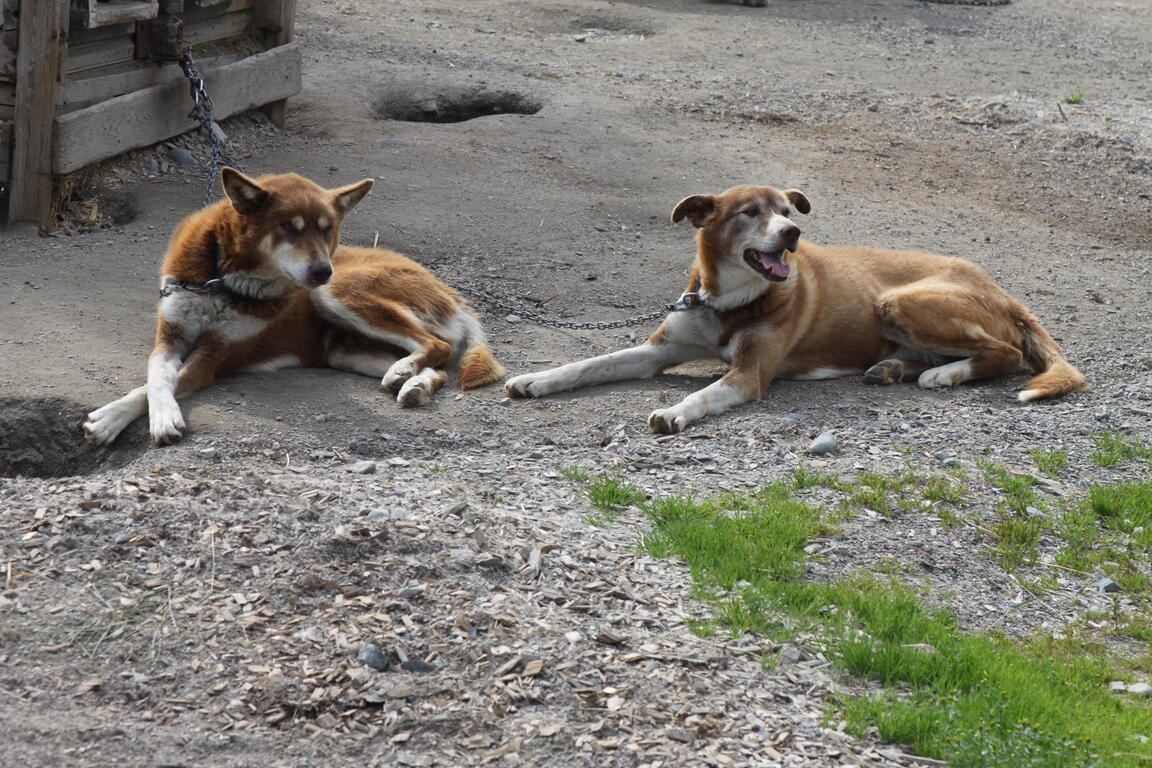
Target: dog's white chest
(197,314)
(698,327)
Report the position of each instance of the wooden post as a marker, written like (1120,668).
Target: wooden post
(43,41)
(276,18)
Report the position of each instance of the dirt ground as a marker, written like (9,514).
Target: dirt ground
(203,604)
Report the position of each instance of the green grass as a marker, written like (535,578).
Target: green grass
(575,473)
(610,494)
(1051,463)
(1113,448)
(978,701)
(1076,97)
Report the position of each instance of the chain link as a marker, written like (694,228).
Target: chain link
(202,113)
(536,317)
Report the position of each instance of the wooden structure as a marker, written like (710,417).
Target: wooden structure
(84,80)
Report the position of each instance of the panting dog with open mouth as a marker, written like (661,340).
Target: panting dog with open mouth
(776,306)
(259,282)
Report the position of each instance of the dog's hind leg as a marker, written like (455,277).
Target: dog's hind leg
(364,362)
(941,320)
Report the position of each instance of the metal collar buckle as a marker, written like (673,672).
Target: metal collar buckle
(687,300)
(202,289)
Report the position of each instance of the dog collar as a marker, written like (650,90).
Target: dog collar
(688,300)
(215,285)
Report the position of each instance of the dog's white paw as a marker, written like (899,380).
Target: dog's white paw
(530,385)
(416,392)
(166,425)
(945,375)
(105,424)
(400,371)
(101,429)
(668,421)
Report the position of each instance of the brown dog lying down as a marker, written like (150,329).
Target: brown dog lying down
(259,282)
(774,305)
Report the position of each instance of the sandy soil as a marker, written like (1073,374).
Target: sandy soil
(908,125)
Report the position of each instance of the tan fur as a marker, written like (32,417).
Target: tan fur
(294,297)
(777,306)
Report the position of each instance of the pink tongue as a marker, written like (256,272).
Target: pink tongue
(775,265)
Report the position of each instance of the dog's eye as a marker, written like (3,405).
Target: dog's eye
(287,226)
(752,212)
(784,212)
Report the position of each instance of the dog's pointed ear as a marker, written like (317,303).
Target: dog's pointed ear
(346,198)
(246,195)
(696,208)
(798,199)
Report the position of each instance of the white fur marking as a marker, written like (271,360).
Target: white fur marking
(275,364)
(817,374)
(322,222)
(1030,394)
(349,320)
(717,397)
(640,362)
(164,417)
(298,222)
(946,375)
(104,424)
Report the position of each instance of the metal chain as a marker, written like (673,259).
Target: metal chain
(536,317)
(202,113)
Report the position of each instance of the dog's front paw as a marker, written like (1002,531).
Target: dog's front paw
(401,370)
(166,425)
(100,429)
(668,421)
(529,385)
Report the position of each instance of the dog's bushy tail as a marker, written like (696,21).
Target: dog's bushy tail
(1042,353)
(478,367)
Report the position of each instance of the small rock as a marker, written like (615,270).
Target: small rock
(411,592)
(208,453)
(371,655)
(1117,686)
(824,445)
(363,468)
(873,106)
(1107,585)
(122,538)
(363,448)
(178,155)
(1140,689)
(1037,513)
(512,318)
(396,461)
(415,665)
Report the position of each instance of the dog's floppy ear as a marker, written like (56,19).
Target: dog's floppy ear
(246,195)
(798,199)
(696,208)
(346,198)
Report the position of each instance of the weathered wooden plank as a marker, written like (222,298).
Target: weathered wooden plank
(99,54)
(217,27)
(5,149)
(160,112)
(83,92)
(91,14)
(43,38)
(276,19)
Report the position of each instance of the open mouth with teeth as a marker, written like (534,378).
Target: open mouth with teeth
(771,265)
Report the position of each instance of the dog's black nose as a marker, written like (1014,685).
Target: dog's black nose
(319,272)
(791,237)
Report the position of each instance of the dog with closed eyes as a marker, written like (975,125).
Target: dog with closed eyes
(776,306)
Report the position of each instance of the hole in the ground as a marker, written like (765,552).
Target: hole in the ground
(41,437)
(454,106)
